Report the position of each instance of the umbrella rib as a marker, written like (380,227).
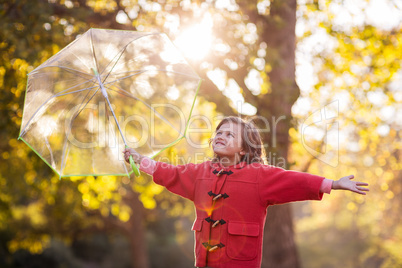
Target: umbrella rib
(128,94)
(70,126)
(87,88)
(67,89)
(125,168)
(74,71)
(93,52)
(44,103)
(53,163)
(37,110)
(112,129)
(72,92)
(51,97)
(64,155)
(159,70)
(87,81)
(122,51)
(118,55)
(83,105)
(125,77)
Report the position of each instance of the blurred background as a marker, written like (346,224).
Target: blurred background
(322,80)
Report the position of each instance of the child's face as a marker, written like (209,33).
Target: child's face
(227,141)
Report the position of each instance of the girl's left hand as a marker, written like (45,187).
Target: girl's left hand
(346,183)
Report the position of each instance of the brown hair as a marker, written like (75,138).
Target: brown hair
(251,140)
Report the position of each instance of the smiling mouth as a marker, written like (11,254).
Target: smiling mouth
(219,143)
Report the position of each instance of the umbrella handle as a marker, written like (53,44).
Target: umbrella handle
(134,166)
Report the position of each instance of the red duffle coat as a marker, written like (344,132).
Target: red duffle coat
(231,206)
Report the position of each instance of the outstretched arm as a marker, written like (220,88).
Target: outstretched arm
(178,179)
(346,183)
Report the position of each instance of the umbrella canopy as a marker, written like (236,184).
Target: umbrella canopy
(106,90)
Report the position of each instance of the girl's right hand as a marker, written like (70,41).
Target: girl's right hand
(346,183)
(136,156)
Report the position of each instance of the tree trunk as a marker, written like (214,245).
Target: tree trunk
(279,249)
(136,232)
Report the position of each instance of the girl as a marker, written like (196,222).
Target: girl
(231,193)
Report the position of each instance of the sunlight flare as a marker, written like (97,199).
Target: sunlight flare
(195,42)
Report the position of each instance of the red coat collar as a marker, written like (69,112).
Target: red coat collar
(239,165)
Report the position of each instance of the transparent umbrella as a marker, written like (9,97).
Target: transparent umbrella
(107,90)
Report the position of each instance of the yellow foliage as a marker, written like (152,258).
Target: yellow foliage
(33,213)
(124,216)
(104,211)
(2,73)
(384,186)
(389,194)
(32,244)
(99,5)
(394,246)
(83,188)
(378,171)
(148,202)
(30,176)
(86,199)
(375,159)
(115,209)
(50,200)
(352,206)
(93,203)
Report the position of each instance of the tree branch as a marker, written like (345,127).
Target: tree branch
(239,76)
(211,93)
(81,11)
(252,14)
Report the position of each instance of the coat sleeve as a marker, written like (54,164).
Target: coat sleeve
(279,186)
(177,179)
